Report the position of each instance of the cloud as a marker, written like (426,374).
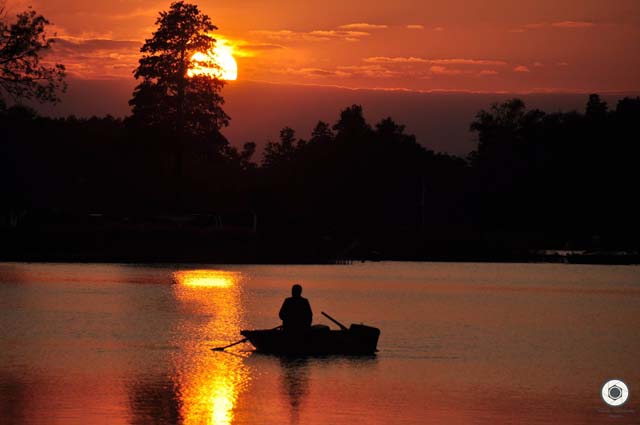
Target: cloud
(371,71)
(337,34)
(277,34)
(363,26)
(315,35)
(521,68)
(96,57)
(457,61)
(261,46)
(343,71)
(572,24)
(92,45)
(242,48)
(312,72)
(451,61)
(387,59)
(133,14)
(386,68)
(443,70)
(561,24)
(421,27)
(316,72)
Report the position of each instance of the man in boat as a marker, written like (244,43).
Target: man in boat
(295,312)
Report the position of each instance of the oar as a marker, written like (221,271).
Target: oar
(230,345)
(343,327)
(239,342)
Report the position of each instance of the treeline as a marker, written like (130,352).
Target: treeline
(351,189)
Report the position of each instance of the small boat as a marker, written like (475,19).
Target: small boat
(319,340)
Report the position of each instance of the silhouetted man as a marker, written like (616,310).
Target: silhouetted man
(296,312)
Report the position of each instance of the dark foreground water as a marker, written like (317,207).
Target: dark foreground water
(460,344)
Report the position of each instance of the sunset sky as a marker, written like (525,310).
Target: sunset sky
(495,46)
(486,45)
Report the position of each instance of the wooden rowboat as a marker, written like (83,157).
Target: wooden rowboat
(357,339)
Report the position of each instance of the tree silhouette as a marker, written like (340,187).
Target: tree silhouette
(506,162)
(538,181)
(389,131)
(321,133)
(242,158)
(22,75)
(168,98)
(352,125)
(283,151)
(596,108)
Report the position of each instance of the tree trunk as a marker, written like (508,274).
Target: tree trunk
(179,154)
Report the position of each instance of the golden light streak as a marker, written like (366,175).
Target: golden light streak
(211,383)
(206,278)
(222,401)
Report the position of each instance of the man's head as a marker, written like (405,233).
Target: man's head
(296,290)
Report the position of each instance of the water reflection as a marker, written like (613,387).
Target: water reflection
(210,382)
(206,278)
(15,397)
(155,400)
(294,384)
(97,344)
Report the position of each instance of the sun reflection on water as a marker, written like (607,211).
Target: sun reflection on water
(206,278)
(210,383)
(222,402)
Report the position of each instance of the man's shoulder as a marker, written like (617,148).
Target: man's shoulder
(296,300)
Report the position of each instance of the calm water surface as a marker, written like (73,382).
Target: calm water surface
(460,344)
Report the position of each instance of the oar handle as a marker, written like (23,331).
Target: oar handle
(343,327)
(230,345)
(239,342)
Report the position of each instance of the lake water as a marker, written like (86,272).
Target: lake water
(461,343)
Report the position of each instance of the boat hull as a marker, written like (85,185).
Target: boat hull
(319,340)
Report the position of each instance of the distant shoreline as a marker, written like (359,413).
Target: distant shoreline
(150,243)
(628,259)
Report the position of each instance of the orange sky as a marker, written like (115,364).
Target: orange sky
(465,45)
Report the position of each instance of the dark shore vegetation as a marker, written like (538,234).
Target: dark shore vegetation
(106,189)
(164,184)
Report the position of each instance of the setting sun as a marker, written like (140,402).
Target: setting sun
(218,62)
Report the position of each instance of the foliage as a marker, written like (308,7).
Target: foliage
(562,174)
(167,97)
(242,158)
(23,73)
(536,181)
(285,151)
(352,125)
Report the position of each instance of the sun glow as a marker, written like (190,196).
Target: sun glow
(210,383)
(218,62)
(206,278)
